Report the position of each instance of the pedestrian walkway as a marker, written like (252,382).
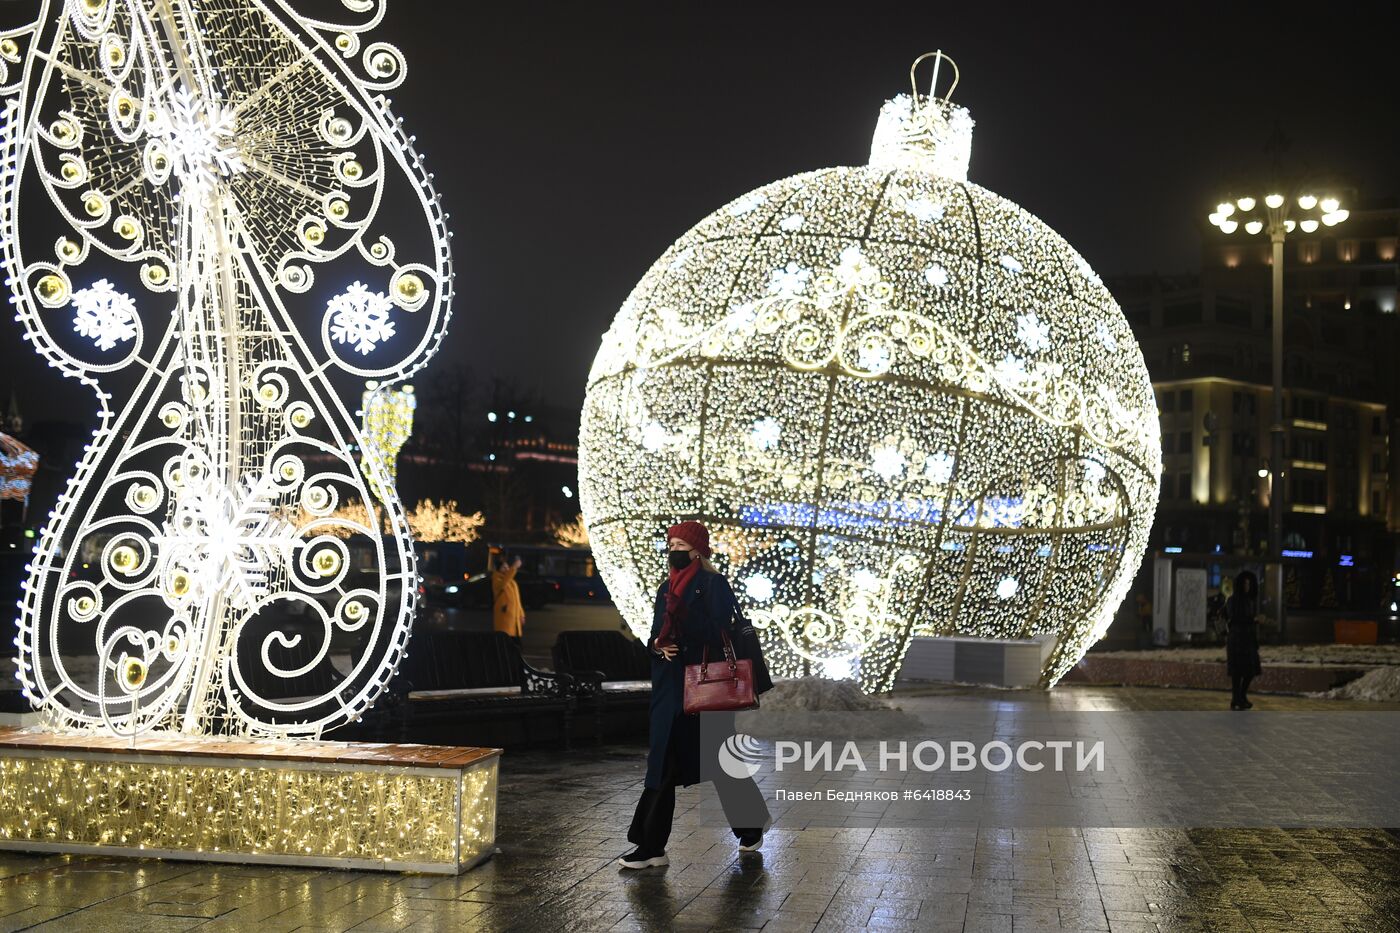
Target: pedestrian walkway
(562,816)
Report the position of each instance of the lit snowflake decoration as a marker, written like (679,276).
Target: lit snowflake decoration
(1007,587)
(766,433)
(655,437)
(873,358)
(747,204)
(790,280)
(924,210)
(936,275)
(1105,335)
(201,138)
(865,580)
(1011,370)
(887,461)
(1011,264)
(360,317)
(1032,332)
(758,588)
(939,467)
(105,315)
(791,223)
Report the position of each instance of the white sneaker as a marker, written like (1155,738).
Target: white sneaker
(639,859)
(752,846)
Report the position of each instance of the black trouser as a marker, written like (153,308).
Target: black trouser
(651,824)
(1239,684)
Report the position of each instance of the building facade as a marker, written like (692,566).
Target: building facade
(1207,339)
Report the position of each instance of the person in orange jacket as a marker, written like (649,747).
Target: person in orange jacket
(507,611)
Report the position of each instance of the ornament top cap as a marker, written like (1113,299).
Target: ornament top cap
(923,132)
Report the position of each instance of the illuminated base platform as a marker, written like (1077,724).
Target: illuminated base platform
(422,808)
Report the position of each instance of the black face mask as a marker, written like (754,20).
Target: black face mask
(679,559)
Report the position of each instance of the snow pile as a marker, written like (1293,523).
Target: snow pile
(1378,686)
(818,709)
(819,694)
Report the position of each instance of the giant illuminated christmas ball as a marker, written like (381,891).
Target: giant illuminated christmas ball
(902,404)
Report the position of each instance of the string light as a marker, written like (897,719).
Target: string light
(387,418)
(902,404)
(428,819)
(217,160)
(573,533)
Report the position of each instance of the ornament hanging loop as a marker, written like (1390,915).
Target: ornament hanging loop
(939,57)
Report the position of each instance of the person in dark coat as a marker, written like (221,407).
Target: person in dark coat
(1242,638)
(693,605)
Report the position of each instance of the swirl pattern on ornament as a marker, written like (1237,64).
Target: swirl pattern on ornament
(205,161)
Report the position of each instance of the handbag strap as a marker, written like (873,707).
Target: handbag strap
(728,654)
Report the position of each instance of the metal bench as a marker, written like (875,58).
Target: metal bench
(474,688)
(613,673)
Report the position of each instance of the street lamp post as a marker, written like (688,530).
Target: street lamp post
(1271,215)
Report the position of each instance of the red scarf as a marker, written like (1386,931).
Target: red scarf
(675,609)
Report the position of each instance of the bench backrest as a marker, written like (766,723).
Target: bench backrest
(613,653)
(453,660)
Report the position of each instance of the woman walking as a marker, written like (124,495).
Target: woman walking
(1242,638)
(695,609)
(508,615)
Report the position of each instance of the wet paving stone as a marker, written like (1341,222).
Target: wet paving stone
(563,816)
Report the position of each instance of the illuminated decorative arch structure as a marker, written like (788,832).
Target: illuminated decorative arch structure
(902,404)
(216,171)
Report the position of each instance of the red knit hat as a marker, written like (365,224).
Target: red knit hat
(692,533)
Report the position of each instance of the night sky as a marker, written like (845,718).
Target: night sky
(573,142)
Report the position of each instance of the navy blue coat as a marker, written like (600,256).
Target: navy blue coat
(709,605)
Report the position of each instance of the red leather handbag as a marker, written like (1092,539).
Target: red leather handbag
(719,688)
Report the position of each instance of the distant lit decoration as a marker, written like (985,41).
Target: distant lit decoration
(429,521)
(573,533)
(387,417)
(226,161)
(902,404)
(443,521)
(18,464)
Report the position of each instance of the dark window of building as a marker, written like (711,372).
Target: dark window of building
(1187,399)
(1178,315)
(1183,485)
(1232,311)
(1377,463)
(1168,401)
(1168,443)
(1376,506)
(1184,444)
(1375,424)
